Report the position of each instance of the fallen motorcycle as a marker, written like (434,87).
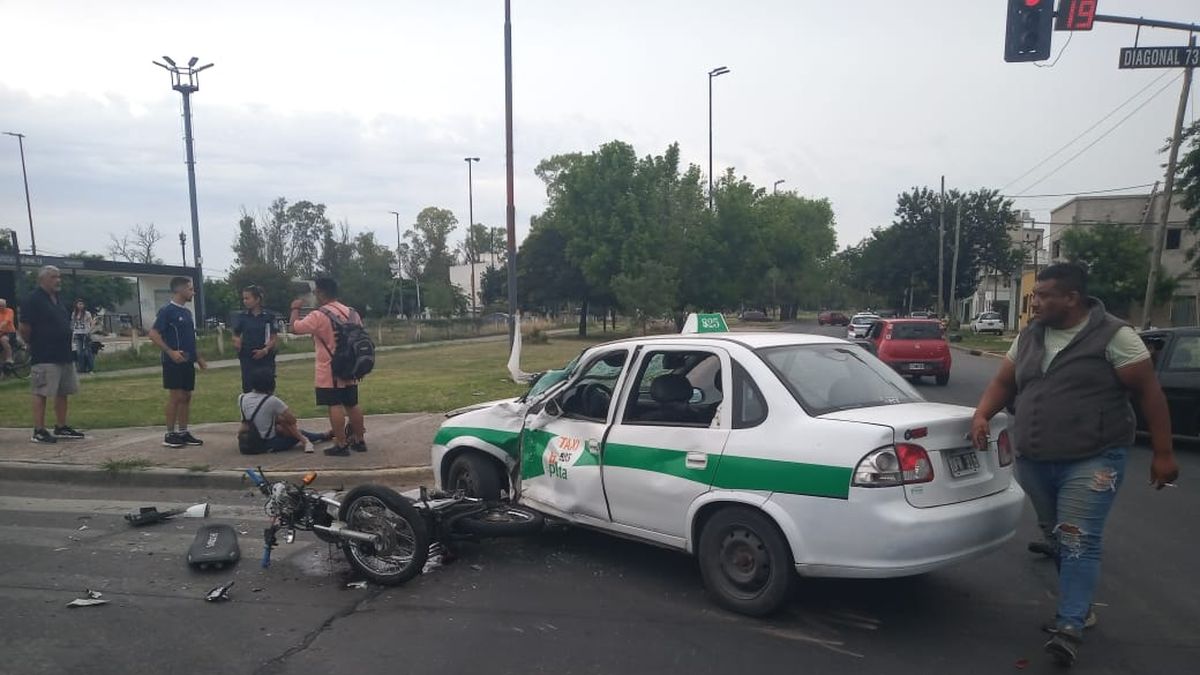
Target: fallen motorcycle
(384,535)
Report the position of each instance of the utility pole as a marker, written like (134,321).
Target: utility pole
(941,248)
(510,210)
(183,247)
(399,263)
(1160,232)
(954,265)
(471,252)
(28,208)
(186,81)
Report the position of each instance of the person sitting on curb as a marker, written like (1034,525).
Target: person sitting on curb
(275,422)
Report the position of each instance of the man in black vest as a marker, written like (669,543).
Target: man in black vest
(1070,375)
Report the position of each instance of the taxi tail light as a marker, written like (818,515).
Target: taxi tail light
(901,464)
(1004,450)
(914,463)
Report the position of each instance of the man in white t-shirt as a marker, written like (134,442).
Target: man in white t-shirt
(271,416)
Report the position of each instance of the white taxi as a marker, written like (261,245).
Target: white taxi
(763,454)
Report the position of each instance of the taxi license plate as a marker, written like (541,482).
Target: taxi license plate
(963,464)
(916,366)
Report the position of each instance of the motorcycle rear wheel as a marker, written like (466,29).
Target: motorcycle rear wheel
(403,540)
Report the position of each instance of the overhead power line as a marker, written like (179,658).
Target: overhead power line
(1085,132)
(1081,193)
(1102,136)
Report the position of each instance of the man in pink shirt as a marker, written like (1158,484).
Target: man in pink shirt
(341,396)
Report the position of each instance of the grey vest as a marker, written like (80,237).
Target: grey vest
(1077,408)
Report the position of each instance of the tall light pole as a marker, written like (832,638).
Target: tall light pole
(510,210)
(399,264)
(28,209)
(186,81)
(775,187)
(715,72)
(183,247)
(471,228)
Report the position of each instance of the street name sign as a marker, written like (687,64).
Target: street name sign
(1159,57)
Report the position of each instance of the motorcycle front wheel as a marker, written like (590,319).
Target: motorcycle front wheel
(401,540)
(502,520)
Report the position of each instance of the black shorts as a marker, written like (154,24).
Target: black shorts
(346,396)
(179,376)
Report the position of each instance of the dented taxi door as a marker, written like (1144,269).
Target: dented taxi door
(562,436)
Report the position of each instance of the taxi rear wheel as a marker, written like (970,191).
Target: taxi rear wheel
(745,561)
(475,476)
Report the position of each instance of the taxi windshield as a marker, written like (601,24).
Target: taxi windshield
(550,378)
(829,377)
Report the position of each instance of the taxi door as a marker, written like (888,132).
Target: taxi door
(666,440)
(561,440)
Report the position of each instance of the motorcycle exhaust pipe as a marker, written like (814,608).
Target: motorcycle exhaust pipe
(340,531)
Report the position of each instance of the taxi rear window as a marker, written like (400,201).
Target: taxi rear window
(829,377)
(916,331)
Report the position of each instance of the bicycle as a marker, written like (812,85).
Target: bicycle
(20,365)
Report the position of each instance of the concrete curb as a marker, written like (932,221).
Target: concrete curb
(224,479)
(976,352)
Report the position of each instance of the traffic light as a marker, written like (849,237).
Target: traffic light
(1030,25)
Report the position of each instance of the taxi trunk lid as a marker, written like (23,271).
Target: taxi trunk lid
(960,473)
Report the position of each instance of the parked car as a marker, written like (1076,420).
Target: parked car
(754,315)
(859,324)
(888,313)
(1176,354)
(912,347)
(832,319)
(922,315)
(674,441)
(988,322)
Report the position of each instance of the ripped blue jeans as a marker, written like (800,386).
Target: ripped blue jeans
(1072,499)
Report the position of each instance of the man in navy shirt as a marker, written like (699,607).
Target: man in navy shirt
(255,334)
(175,334)
(46,326)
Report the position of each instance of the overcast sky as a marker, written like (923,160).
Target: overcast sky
(370,106)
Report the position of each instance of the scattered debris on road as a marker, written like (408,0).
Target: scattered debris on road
(356,584)
(92,599)
(148,515)
(220,593)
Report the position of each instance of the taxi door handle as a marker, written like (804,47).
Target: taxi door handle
(696,460)
(592,446)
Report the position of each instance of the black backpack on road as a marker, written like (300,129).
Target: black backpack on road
(353,354)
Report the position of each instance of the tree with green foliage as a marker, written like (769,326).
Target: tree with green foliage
(904,256)
(1118,263)
(367,284)
(221,300)
(97,290)
(1187,185)
(429,240)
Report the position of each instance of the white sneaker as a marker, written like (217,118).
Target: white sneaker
(308,446)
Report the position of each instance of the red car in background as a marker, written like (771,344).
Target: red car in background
(912,347)
(832,319)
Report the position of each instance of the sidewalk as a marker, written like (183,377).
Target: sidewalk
(398,454)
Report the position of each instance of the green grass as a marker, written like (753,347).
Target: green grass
(986,343)
(122,465)
(430,379)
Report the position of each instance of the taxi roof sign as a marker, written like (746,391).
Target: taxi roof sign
(705,323)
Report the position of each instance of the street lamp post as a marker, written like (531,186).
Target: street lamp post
(399,264)
(183,247)
(471,228)
(186,81)
(28,208)
(775,187)
(715,72)
(510,209)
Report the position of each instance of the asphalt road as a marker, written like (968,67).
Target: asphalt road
(566,601)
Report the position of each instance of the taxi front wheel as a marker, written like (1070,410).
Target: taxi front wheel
(475,476)
(745,561)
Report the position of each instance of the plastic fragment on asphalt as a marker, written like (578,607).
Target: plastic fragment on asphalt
(92,599)
(477,568)
(220,593)
(1022,664)
(356,584)
(83,527)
